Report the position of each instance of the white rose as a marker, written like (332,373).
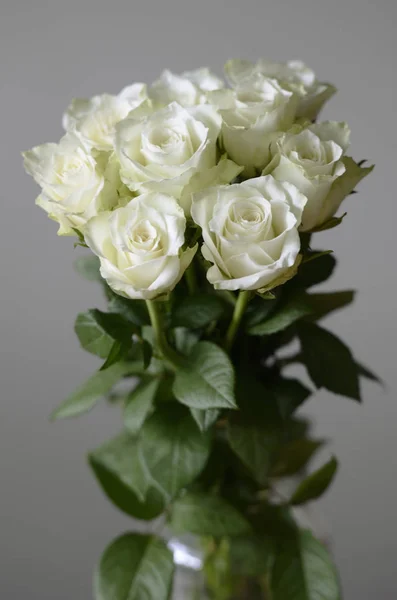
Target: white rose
(188,89)
(163,151)
(253,113)
(204,79)
(313,93)
(250,233)
(70,179)
(115,192)
(93,120)
(312,158)
(222,173)
(140,246)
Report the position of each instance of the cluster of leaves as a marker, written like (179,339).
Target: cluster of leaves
(204,445)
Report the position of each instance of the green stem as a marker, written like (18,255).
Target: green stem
(190,276)
(242,301)
(169,354)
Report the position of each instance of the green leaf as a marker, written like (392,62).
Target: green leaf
(303,570)
(254,432)
(289,395)
(114,325)
(119,472)
(205,418)
(368,374)
(287,313)
(134,311)
(313,272)
(120,457)
(329,362)
(275,520)
(266,295)
(92,337)
(258,310)
(173,450)
(138,355)
(124,498)
(219,579)
(88,267)
(255,444)
(297,428)
(147,353)
(91,391)
(256,400)
(331,223)
(202,514)
(208,379)
(97,331)
(135,567)
(198,311)
(79,234)
(185,340)
(314,255)
(294,456)
(139,404)
(323,304)
(315,484)
(118,352)
(251,555)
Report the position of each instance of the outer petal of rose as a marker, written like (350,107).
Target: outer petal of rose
(171,87)
(126,284)
(286,190)
(77,109)
(36,159)
(202,211)
(166,272)
(236,70)
(204,79)
(224,172)
(210,117)
(311,104)
(249,146)
(337,131)
(55,214)
(134,93)
(314,188)
(342,187)
(97,236)
(266,278)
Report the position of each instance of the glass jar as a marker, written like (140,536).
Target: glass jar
(190,580)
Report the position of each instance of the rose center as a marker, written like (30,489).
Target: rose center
(144,237)
(69,166)
(248,219)
(165,138)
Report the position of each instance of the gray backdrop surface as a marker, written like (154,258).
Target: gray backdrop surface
(54,520)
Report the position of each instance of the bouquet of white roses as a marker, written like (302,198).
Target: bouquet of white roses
(199,203)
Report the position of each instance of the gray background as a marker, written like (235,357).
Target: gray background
(54,520)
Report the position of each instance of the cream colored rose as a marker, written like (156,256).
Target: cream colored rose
(313,93)
(188,89)
(93,120)
(250,232)
(71,182)
(163,151)
(140,246)
(253,114)
(312,158)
